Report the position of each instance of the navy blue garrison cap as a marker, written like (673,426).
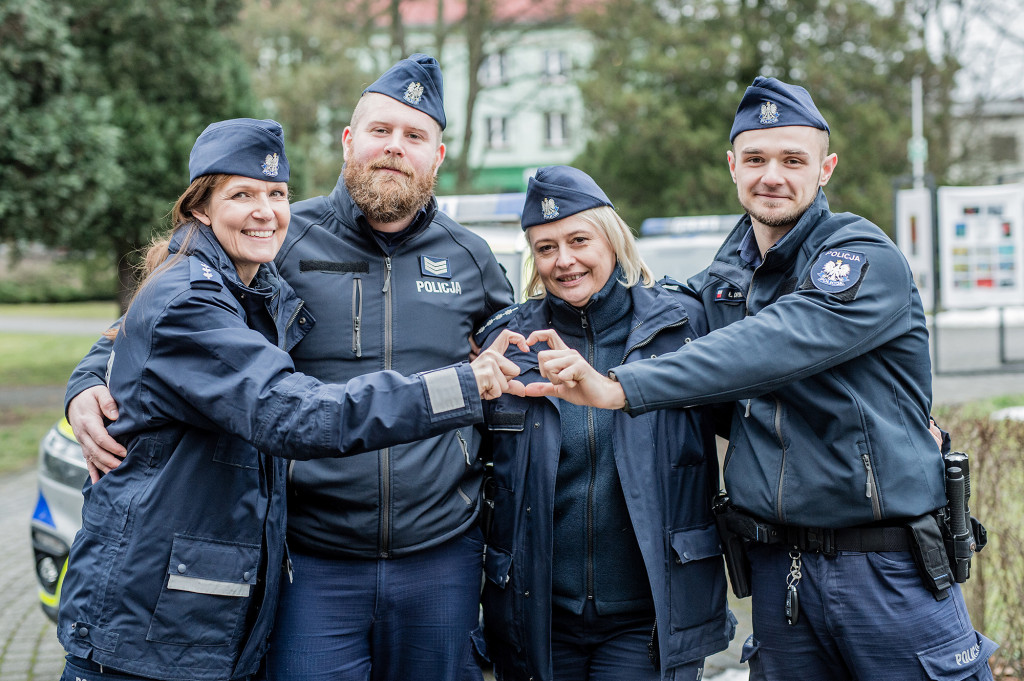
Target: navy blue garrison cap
(240,146)
(770,103)
(415,81)
(556,192)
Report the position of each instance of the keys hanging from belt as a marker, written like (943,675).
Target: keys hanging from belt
(792,580)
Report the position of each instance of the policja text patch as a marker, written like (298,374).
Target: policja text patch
(838,270)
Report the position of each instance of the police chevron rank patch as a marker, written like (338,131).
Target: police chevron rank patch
(837,269)
(435,267)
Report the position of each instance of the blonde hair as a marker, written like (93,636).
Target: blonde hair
(155,258)
(619,236)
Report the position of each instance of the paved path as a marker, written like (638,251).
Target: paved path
(29,650)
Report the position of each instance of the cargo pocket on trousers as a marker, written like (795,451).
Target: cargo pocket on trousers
(205,593)
(750,656)
(959,659)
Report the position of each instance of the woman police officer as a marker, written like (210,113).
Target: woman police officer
(175,572)
(603,556)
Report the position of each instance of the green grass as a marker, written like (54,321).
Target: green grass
(29,359)
(38,360)
(97,310)
(21,428)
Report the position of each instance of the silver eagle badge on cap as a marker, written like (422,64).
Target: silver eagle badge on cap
(549,208)
(413,93)
(270,165)
(769,113)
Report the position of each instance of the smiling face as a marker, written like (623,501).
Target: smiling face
(573,258)
(392,153)
(777,172)
(250,219)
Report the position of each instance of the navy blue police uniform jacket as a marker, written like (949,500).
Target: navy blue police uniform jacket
(825,349)
(410,309)
(668,468)
(176,569)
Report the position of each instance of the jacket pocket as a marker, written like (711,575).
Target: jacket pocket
(234,451)
(502,608)
(696,577)
(506,426)
(498,566)
(357,316)
(206,593)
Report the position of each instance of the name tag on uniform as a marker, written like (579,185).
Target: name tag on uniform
(729,294)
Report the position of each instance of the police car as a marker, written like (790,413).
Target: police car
(58,512)
(680,247)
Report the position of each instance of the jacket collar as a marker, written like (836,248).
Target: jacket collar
(205,246)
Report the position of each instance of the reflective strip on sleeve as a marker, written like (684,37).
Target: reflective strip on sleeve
(444,390)
(207,586)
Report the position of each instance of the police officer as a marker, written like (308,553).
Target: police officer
(819,337)
(385,550)
(175,572)
(603,561)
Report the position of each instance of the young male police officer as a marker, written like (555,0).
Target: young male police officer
(820,340)
(385,550)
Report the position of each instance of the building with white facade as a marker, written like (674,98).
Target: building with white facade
(529,112)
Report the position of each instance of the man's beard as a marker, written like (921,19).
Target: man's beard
(386,197)
(778,219)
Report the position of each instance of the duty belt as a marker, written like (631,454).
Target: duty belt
(823,539)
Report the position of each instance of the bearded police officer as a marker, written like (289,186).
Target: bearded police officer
(385,552)
(819,339)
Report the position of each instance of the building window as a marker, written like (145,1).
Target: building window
(556,65)
(494,70)
(497,132)
(1004,148)
(556,129)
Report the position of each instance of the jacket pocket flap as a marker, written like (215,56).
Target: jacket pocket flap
(207,566)
(497,566)
(958,659)
(696,544)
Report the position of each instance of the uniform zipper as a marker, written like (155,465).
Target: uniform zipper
(465,447)
(592,450)
(782,467)
(778,403)
(647,341)
(357,316)
(870,488)
(291,320)
(385,454)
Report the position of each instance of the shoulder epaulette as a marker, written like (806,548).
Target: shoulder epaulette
(202,275)
(481,334)
(671,284)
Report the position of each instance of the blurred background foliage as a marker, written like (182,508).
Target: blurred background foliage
(100,101)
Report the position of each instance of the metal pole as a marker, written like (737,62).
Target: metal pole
(918,145)
(1002,335)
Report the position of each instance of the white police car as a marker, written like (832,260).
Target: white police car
(58,512)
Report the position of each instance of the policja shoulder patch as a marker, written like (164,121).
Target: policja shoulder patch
(838,270)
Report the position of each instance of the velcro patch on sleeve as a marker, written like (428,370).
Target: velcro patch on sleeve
(838,270)
(444,390)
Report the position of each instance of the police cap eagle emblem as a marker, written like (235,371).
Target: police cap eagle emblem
(413,93)
(548,208)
